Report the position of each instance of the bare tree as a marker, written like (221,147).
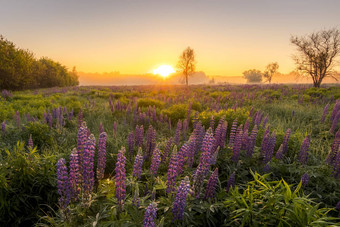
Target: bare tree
(186,63)
(317,54)
(271,69)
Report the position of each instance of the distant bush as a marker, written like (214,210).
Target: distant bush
(176,112)
(146,102)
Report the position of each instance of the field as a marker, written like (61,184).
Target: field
(232,155)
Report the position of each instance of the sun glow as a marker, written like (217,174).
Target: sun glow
(164,70)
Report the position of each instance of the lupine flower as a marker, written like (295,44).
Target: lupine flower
(237,146)
(137,166)
(334,149)
(120,178)
(279,153)
(207,144)
(150,142)
(180,200)
(232,133)
(63,184)
(245,139)
(172,171)
(195,119)
(265,142)
(265,120)
(101,155)
(285,141)
(303,155)
(101,128)
(212,122)
(80,118)
(337,165)
(178,132)
(181,156)
(156,159)
(231,181)
(166,150)
(305,179)
(150,215)
(335,110)
(198,179)
(74,174)
(30,142)
(88,159)
(270,148)
(325,110)
(211,186)
(191,150)
(81,142)
(335,122)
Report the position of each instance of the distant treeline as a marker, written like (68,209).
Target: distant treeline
(20,70)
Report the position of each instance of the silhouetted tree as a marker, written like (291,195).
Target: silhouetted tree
(253,76)
(186,63)
(317,53)
(271,69)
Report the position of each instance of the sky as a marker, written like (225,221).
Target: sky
(134,37)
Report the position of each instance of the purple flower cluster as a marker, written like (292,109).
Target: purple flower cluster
(212,122)
(231,181)
(167,150)
(3,127)
(138,164)
(120,178)
(279,153)
(88,173)
(269,148)
(150,142)
(232,133)
(305,179)
(64,189)
(172,171)
(334,149)
(181,156)
(74,174)
(150,215)
(303,155)
(156,160)
(336,108)
(180,200)
(237,146)
(211,186)
(139,136)
(251,142)
(30,142)
(207,144)
(81,142)
(325,110)
(178,132)
(101,155)
(335,122)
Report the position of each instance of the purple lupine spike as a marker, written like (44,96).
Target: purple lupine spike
(50,120)
(305,179)
(63,184)
(279,153)
(101,155)
(138,164)
(265,120)
(217,137)
(81,141)
(172,171)
(325,110)
(101,128)
(3,127)
(211,186)
(232,133)
(30,142)
(336,169)
(212,123)
(131,143)
(114,129)
(150,142)
(237,146)
(198,179)
(181,156)
(156,159)
(178,132)
(265,142)
(191,151)
(223,134)
(88,159)
(150,215)
(303,155)
(266,168)
(335,122)
(335,110)
(246,125)
(270,148)
(285,141)
(195,119)
(207,144)
(334,149)
(231,182)
(245,139)
(74,174)
(166,150)
(120,178)
(180,199)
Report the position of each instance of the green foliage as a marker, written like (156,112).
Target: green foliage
(176,112)
(146,102)
(273,203)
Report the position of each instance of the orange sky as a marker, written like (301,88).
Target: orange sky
(134,37)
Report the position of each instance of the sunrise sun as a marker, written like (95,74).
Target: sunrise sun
(164,70)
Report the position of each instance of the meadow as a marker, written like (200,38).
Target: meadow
(219,155)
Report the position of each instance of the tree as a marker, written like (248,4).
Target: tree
(186,63)
(253,76)
(271,69)
(317,53)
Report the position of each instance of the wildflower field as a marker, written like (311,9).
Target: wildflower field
(224,155)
